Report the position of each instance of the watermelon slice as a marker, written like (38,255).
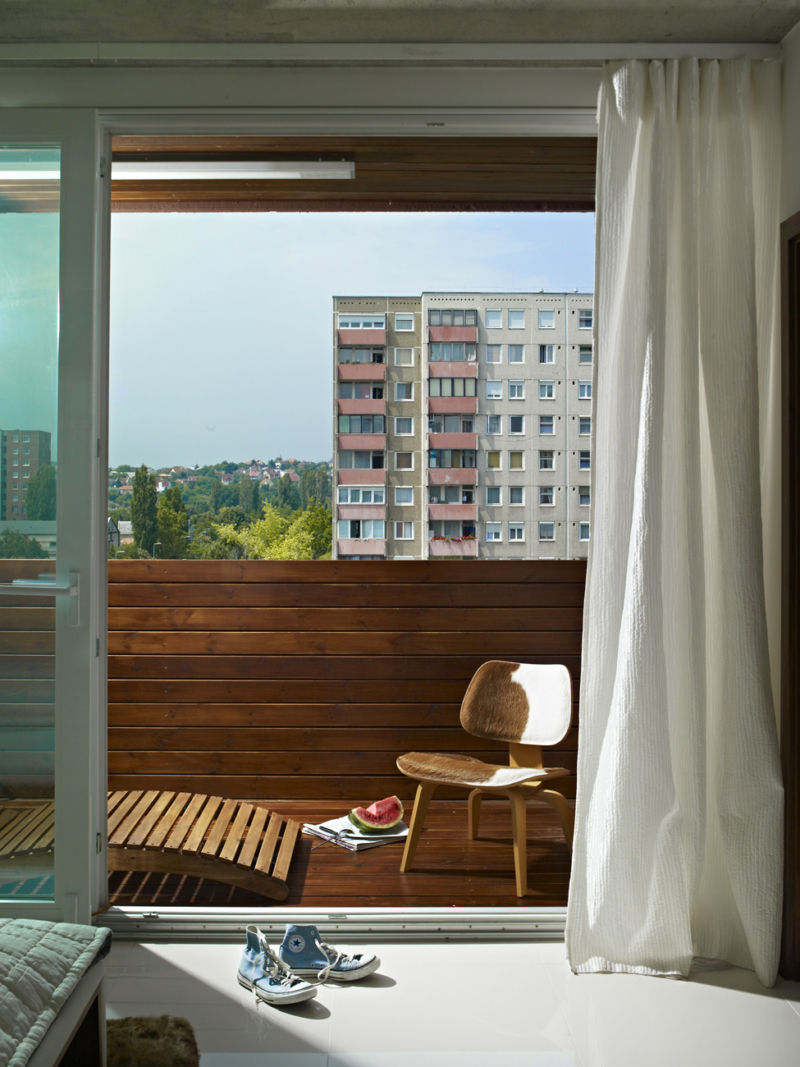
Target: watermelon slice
(382,815)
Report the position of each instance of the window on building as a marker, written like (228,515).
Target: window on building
(404,320)
(547,531)
(450,424)
(404,495)
(583,531)
(516,318)
(547,319)
(361,390)
(404,390)
(494,495)
(516,494)
(494,353)
(516,531)
(546,424)
(404,357)
(584,461)
(516,390)
(547,390)
(493,460)
(584,353)
(452,387)
(449,494)
(361,494)
(493,318)
(452,317)
(516,353)
(404,461)
(350,459)
(516,461)
(547,497)
(361,355)
(360,529)
(584,318)
(584,425)
(452,457)
(404,426)
(404,531)
(362,322)
(494,531)
(362,424)
(494,424)
(494,390)
(547,353)
(584,390)
(584,496)
(452,352)
(547,460)
(516,424)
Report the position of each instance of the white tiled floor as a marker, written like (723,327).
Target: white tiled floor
(464,1005)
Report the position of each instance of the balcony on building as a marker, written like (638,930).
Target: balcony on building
(452,333)
(454,368)
(361,372)
(361,337)
(452,440)
(452,476)
(464,548)
(361,441)
(453,405)
(360,511)
(362,476)
(463,512)
(365,546)
(361,406)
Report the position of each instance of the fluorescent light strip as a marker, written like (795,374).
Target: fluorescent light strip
(227,170)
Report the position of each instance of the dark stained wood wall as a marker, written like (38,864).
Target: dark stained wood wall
(302,680)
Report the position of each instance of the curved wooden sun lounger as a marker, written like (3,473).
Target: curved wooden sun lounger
(227,841)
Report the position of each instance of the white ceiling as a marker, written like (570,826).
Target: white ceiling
(389,21)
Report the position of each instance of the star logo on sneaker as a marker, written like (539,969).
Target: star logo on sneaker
(297,943)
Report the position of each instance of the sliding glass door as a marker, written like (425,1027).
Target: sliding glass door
(52,539)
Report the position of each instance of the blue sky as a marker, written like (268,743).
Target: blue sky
(221,324)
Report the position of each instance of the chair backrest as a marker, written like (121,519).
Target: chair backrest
(525,703)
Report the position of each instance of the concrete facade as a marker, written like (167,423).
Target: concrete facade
(22,452)
(484,444)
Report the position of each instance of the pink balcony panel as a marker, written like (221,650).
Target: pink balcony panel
(454,369)
(361,441)
(452,440)
(452,476)
(361,511)
(361,338)
(456,405)
(361,407)
(362,477)
(361,372)
(465,512)
(452,333)
(464,549)
(351,546)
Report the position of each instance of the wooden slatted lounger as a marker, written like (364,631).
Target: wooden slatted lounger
(227,841)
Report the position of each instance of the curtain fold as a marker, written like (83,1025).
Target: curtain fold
(678,840)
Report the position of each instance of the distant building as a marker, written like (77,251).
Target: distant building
(462,425)
(125,531)
(113,534)
(22,453)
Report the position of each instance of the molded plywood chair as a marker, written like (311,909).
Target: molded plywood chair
(525,705)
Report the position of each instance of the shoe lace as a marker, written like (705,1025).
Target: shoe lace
(274,967)
(333,957)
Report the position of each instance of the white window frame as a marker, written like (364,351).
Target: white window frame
(490,529)
(513,318)
(512,352)
(404,489)
(494,312)
(512,489)
(549,352)
(403,315)
(497,389)
(494,452)
(584,490)
(584,466)
(401,452)
(404,524)
(584,531)
(511,430)
(543,525)
(542,318)
(516,389)
(583,314)
(547,452)
(544,421)
(493,350)
(403,433)
(547,389)
(584,426)
(404,385)
(550,490)
(583,351)
(398,362)
(498,489)
(514,526)
(514,452)
(584,390)
(490,419)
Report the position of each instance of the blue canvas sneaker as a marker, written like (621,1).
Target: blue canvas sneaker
(304,951)
(266,976)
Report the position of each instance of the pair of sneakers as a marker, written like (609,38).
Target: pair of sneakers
(280,977)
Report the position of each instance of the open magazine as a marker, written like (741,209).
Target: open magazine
(343,832)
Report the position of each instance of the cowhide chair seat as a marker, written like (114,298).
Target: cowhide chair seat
(524,705)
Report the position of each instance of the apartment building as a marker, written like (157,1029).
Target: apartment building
(462,425)
(22,452)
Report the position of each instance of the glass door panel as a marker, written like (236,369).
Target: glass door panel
(29,318)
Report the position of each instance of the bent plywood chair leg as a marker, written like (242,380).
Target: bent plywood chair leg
(519,836)
(563,807)
(474,813)
(425,791)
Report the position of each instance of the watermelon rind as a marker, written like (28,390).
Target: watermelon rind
(379,817)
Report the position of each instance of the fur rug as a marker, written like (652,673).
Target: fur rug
(163,1041)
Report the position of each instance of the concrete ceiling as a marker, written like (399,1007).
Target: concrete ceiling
(390,21)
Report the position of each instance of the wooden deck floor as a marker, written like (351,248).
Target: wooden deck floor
(449,870)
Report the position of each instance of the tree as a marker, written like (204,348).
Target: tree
(248,495)
(315,486)
(288,495)
(41,496)
(172,524)
(15,545)
(144,509)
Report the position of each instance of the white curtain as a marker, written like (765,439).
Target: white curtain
(678,843)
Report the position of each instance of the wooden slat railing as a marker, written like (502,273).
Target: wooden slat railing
(267,680)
